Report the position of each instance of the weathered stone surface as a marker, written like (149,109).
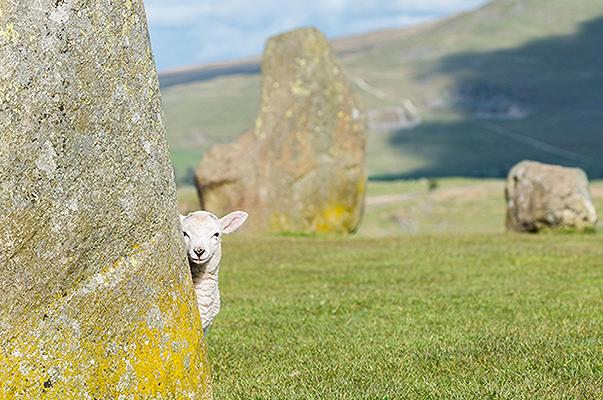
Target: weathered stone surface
(541,196)
(301,168)
(95,290)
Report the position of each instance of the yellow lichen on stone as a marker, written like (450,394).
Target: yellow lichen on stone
(297,88)
(160,363)
(333,219)
(9,32)
(166,360)
(154,361)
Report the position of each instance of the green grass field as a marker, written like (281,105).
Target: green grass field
(431,300)
(456,206)
(494,316)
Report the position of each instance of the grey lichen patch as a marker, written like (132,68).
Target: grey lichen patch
(61,13)
(46,160)
(128,202)
(70,323)
(155,318)
(54,374)
(147,146)
(72,205)
(128,381)
(135,118)
(187,361)
(110,277)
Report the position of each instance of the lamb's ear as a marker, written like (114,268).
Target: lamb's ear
(233,221)
(182,218)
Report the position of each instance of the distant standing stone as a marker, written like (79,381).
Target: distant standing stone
(542,196)
(301,169)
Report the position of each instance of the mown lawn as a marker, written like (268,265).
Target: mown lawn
(491,316)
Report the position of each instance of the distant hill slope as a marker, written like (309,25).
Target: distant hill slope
(466,96)
(199,73)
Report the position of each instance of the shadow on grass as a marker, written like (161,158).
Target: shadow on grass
(541,101)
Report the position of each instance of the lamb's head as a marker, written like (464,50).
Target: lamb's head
(203,233)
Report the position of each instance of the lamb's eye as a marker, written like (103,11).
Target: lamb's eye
(185,234)
(216,235)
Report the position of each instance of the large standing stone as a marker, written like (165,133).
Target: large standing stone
(541,196)
(302,167)
(95,291)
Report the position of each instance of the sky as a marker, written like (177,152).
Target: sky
(187,32)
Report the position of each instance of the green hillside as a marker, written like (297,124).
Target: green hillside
(515,79)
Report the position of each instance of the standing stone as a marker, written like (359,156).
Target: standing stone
(541,196)
(95,291)
(301,169)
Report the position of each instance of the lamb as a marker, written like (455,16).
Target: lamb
(203,238)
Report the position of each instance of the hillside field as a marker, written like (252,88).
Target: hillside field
(514,80)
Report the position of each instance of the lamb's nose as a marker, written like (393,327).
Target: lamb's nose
(199,252)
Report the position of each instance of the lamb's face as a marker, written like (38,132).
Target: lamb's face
(203,233)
